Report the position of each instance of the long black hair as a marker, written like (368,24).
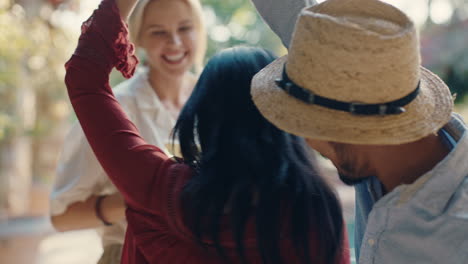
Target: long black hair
(244,163)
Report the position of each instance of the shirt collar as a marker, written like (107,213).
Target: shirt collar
(146,97)
(434,189)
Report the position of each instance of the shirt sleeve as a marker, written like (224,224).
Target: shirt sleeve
(281,15)
(134,166)
(78,173)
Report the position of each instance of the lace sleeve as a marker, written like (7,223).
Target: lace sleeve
(104,40)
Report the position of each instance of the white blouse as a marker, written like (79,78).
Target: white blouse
(79,174)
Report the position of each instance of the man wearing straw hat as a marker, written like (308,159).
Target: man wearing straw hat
(352,85)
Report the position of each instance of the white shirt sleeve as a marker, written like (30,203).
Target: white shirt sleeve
(78,175)
(281,15)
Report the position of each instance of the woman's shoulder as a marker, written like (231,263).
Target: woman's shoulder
(129,88)
(129,91)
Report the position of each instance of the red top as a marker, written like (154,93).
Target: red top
(149,180)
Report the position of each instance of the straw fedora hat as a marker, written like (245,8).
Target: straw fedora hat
(353,75)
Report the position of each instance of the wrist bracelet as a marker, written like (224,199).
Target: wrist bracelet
(98,211)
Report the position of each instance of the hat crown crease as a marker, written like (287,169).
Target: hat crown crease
(354,48)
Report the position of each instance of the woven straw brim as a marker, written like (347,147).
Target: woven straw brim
(425,115)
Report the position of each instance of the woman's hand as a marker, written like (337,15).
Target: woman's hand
(81,215)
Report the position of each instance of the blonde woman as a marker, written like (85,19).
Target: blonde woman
(172,36)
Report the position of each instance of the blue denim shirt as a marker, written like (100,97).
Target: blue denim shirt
(424,222)
(366,197)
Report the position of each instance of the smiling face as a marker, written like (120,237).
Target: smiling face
(168,36)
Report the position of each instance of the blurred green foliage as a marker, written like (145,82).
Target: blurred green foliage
(34,45)
(33,49)
(236,22)
(12,44)
(457,81)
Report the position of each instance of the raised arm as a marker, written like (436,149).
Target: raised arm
(128,160)
(281,15)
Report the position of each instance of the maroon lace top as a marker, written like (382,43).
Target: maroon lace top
(149,181)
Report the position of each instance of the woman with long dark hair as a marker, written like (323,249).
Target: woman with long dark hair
(243,191)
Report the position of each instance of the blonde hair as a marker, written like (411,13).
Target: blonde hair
(136,19)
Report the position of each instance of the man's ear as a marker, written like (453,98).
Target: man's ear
(281,15)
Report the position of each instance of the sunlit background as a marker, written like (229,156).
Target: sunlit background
(38,36)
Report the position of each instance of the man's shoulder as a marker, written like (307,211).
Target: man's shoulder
(411,233)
